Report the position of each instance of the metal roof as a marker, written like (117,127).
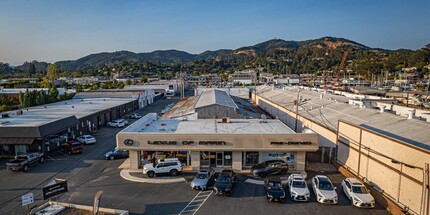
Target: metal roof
(215,97)
(327,110)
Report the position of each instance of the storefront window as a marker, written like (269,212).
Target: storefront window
(204,158)
(251,158)
(228,158)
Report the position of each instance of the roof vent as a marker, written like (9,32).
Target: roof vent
(411,114)
(225,120)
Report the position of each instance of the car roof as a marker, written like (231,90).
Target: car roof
(226,172)
(323,178)
(354,181)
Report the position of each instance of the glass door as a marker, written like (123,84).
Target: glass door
(219,159)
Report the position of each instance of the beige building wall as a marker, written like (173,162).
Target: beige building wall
(384,162)
(195,161)
(237,161)
(327,136)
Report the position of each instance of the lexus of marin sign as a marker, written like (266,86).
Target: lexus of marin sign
(27,199)
(57,186)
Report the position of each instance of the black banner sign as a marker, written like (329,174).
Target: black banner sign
(291,143)
(55,189)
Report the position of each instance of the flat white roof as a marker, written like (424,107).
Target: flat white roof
(210,126)
(80,108)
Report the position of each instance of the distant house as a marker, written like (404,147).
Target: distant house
(243,77)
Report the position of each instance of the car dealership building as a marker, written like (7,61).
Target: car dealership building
(220,143)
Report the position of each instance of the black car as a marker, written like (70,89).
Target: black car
(274,189)
(116,154)
(270,167)
(224,183)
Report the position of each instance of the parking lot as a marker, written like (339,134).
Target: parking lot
(89,172)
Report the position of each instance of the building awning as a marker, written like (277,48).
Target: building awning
(16,140)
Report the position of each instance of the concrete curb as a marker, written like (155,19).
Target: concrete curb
(125,174)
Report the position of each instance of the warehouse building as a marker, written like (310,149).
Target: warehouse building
(44,128)
(389,152)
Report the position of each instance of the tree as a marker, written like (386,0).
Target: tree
(45,83)
(52,73)
(21,99)
(31,69)
(120,85)
(53,94)
(128,82)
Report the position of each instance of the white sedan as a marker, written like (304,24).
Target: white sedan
(298,188)
(135,116)
(86,139)
(116,124)
(357,193)
(324,190)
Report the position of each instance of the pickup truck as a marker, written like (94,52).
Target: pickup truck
(23,162)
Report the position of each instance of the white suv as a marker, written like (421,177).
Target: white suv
(170,166)
(358,194)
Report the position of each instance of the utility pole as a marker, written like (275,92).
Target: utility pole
(297,110)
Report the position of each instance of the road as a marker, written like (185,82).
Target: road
(85,173)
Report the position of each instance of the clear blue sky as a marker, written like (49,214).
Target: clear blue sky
(52,30)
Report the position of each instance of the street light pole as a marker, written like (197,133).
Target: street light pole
(297,110)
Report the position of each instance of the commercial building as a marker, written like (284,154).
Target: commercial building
(214,104)
(233,143)
(389,152)
(44,128)
(143,97)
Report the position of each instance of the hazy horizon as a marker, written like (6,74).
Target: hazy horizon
(51,30)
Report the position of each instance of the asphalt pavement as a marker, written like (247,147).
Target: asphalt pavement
(89,172)
(85,173)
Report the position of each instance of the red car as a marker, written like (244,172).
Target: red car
(72,147)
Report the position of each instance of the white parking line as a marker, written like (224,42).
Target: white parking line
(196,202)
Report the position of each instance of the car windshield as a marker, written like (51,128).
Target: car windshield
(275,184)
(299,184)
(359,189)
(201,176)
(224,179)
(325,185)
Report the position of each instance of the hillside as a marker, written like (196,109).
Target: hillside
(296,56)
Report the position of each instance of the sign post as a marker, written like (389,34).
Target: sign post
(27,199)
(57,186)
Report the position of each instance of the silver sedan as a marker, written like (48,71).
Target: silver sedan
(203,177)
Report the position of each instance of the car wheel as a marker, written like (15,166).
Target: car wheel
(173,172)
(25,168)
(42,160)
(151,174)
(112,158)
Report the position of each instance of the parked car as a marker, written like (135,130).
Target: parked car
(72,147)
(274,189)
(270,167)
(298,188)
(225,182)
(124,121)
(24,161)
(86,139)
(116,124)
(202,179)
(171,166)
(324,190)
(357,193)
(116,154)
(135,116)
